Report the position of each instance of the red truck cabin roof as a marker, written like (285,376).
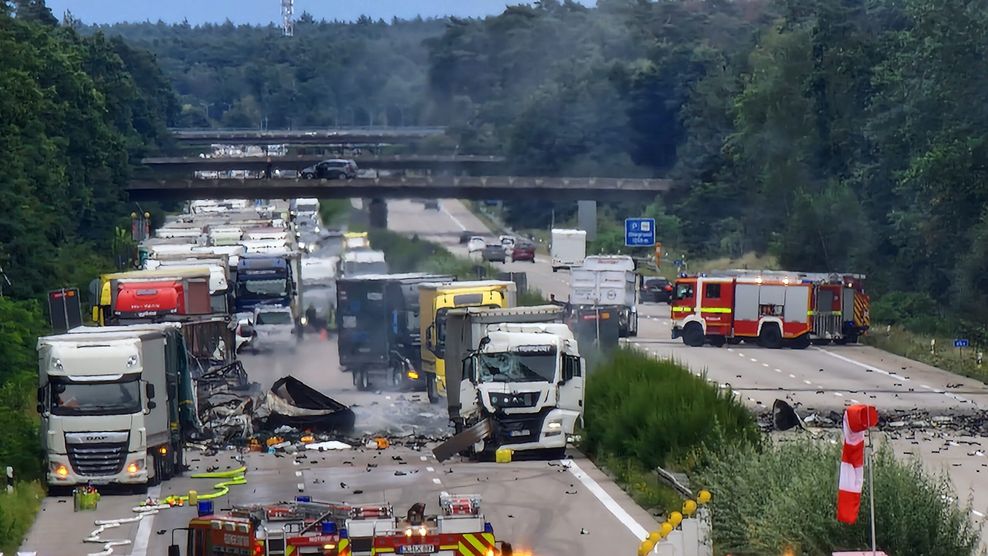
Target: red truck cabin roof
(150,298)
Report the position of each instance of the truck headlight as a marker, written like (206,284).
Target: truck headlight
(135,466)
(554,427)
(304,321)
(60,470)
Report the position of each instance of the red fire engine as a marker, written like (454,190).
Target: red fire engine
(776,308)
(334,529)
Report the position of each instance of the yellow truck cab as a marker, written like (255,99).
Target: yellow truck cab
(103,310)
(435,300)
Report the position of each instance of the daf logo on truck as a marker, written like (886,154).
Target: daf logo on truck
(95,438)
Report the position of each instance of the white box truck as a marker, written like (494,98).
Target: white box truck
(568,248)
(608,281)
(112,405)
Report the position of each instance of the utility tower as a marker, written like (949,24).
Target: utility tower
(288,17)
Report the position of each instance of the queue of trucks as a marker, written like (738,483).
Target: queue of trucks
(118,399)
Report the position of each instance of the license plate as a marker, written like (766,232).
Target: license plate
(417,549)
(523,432)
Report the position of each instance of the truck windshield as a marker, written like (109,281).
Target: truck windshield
(95,398)
(511,367)
(274,317)
(263,288)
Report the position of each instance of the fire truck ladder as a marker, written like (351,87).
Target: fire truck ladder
(275,544)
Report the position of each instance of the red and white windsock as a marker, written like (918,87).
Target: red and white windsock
(857,419)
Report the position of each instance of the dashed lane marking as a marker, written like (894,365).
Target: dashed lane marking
(143,537)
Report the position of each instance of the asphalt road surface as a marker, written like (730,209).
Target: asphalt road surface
(545,506)
(931,414)
(567,507)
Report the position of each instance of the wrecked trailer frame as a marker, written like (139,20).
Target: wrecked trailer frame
(291,402)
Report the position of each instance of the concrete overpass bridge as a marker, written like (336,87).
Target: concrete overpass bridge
(400,187)
(332,136)
(167,166)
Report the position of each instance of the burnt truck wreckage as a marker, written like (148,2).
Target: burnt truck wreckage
(379,340)
(232,409)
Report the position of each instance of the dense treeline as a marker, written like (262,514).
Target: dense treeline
(837,135)
(331,73)
(73,112)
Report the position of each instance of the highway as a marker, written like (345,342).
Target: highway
(914,398)
(544,506)
(548,507)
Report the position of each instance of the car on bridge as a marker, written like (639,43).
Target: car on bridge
(332,169)
(476,243)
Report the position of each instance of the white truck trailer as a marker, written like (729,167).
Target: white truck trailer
(608,281)
(568,248)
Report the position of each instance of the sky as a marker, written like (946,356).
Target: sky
(268,11)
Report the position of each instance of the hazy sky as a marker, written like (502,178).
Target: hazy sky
(266,11)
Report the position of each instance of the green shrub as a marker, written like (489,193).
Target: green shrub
(531,298)
(17,512)
(658,413)
(413,254)
(916,311)
(785,497)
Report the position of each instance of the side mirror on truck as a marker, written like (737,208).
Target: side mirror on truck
(469,369)
(430,331)
(149,391)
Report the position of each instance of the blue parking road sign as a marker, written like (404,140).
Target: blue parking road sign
(639,232)
(961,343)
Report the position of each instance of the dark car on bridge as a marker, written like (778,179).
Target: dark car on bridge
(333,169)
(493,253)
(523,251)
(656,290)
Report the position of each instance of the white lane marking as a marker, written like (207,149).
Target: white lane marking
(437,481)
(807,382)
(301,487)
(753,360)
(454,219)
(430,469)
(925,386)
(764,364)
(612,506)
(792,375)
(858,363)
(778,370)
(423,458)
(977,513)
(740,355)
(144,529)
(298,473)
(854,400)
(838,394)
(730,349)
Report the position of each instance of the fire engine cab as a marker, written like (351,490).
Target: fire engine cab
(337,529)
(774,308)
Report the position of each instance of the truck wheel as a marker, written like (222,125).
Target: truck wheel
(717,341)
(555,269)
(506,549)
(693,335)
(771,336)
(852,338)
(156,468)
(430,388)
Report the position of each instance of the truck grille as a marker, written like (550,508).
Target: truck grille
(97,459)
(517,429)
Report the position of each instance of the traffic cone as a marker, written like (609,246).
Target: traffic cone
(323,335)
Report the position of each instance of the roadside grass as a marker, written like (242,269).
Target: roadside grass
(485,217)
(748,260)
(532,297)
(642,413)
(658,413)
(412,254)
(916,346)
(17,513)
(780,499)
(334,212)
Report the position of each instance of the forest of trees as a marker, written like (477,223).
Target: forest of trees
(73,112)
(834,134)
